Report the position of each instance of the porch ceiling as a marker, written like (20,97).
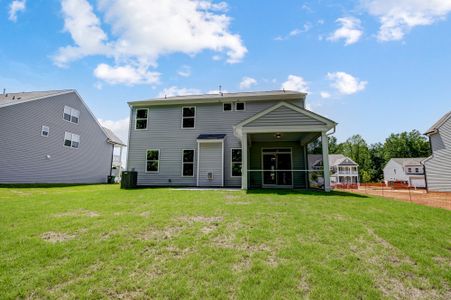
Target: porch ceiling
(303,137)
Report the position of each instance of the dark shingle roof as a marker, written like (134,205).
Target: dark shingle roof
(211,136)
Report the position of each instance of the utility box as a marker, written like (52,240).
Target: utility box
(129,180)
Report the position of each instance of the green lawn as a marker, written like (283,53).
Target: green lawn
(102,242)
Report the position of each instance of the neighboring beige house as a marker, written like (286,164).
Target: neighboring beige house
(405,170)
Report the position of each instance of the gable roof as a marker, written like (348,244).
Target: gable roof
(9,99)
(221,97)
(438,124)
(112,138)
(298,109)
(409,161)
(334,159)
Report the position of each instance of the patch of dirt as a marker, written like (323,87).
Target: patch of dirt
(209,228)
(56,237)
(231,197)
(238,203)
(202,219)
(161,234)
(145,214)
(303,286)
(375,252)
(78,213)
(243,265)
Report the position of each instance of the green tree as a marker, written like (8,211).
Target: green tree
(357,149)
(405,145)
(315,147)
(378,161)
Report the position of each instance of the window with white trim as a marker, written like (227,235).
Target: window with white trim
(152,160)
(45,131)
(141,118)
(71,140)
(188,117)
(227,106)
(188,163)
(71,114)
(409,170)
(240,106)
(417,170)
(236,162)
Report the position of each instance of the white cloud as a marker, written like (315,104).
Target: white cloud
(141,31)
(325,95)
(119,127)
(15,7)
(398,17)
(350,30)
(295,83)
(345,83)
(247,82)
(127,74)
(294,32)
(184,71)
(176,91)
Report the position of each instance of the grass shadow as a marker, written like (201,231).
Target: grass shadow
(303,192)
(43,185)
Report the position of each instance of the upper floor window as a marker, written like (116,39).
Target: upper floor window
(71,140)
(188,163)
(153,160)
(409,170)
(236,162)
(189,116)
(417,170)
(141,118)
(45,131)
(239,106)
(227,106)
(71,114)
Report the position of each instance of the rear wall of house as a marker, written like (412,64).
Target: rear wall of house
(28,157)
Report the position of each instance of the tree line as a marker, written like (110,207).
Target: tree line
(372,158)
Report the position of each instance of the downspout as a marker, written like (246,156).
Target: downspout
(112,157)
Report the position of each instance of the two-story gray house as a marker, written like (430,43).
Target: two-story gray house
(343,170)
(438,165)
(408,171)
(52,137)
(247,140)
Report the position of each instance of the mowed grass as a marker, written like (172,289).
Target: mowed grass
(102,242)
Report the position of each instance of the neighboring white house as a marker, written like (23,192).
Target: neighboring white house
(405,170)
(438,165)
(343,170)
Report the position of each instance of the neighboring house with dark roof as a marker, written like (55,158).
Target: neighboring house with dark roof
(438,165)
(52,137)
(405,170)
(247,140)
(343,170)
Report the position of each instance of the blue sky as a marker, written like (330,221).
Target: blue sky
(373,66)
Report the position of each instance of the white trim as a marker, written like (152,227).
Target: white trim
(147,119)
(291,106)
(71,140)
(235,103)
(159,158)
(195,117)
(326,167)
(183,163)
(42,130)
(231,107)
(231,162)
(206,141)
(244,156)
(71,109)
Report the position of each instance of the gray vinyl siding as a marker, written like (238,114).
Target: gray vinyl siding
(297,157)
(391,175)
(282,116)
(210,162)
(164,132)
(23,151)
(438,167)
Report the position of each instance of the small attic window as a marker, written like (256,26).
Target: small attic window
(239,106)
(227,106)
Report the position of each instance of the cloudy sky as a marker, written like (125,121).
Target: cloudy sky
(373,66)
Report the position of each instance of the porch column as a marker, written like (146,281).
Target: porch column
(244,161)
(326,171)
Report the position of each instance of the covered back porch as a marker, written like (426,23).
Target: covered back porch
(274,148)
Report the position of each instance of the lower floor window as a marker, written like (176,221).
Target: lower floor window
(236,162)
(153,160)
(71,140)
(188,163)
